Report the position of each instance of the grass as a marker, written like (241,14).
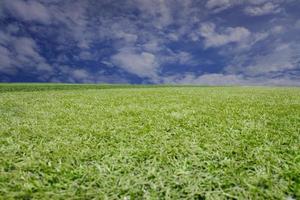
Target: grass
(30,87)
(149,143)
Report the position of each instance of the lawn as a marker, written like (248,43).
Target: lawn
(144,142)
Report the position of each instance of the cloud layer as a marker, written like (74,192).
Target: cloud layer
(250,42)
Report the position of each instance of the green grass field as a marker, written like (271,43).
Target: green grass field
(144,142)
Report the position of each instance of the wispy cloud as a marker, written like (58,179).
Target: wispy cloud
(143,64)
(282,58)
(212,38)
(232,79)
(264,9)
(20,54)
(28,11)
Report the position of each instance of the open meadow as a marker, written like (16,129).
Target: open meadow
(144,142)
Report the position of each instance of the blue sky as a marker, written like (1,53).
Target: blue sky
(215,42)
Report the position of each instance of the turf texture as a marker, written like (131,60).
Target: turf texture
(144,142)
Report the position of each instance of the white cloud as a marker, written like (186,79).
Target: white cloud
(297,24)
(230,35)
(128,37)
(179,57)
(281,57)
(173,36)
(265,9)
(245,45)
(86,55)
(184,57)
(194,36)
(157,9)
(5,61)
(81,75)
(28,11)
(26,48)
(73,17)
(12,28)
(256,38)
(23,54)
(219,5)
(277,29)
(230,79)
(254,7)
(143,64)
(152,46)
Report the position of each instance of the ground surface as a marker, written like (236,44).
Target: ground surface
(149,143)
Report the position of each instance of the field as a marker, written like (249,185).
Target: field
(145,142)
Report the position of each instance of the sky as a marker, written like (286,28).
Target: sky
(207,42)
